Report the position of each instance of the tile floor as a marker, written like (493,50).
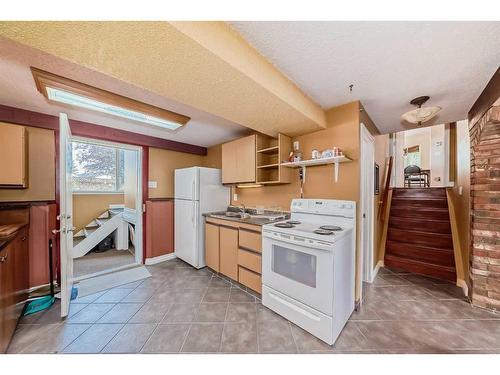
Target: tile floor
(181,309)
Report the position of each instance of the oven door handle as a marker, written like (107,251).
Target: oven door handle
(292,242)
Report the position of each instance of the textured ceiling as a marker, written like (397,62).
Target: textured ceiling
(17,89)
(389,63)
(205,65)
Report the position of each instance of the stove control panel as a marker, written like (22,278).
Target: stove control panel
(324,207)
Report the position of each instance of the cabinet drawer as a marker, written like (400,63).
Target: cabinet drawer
(250,240)
(250,279)
(250,260)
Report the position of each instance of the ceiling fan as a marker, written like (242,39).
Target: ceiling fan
(421,114)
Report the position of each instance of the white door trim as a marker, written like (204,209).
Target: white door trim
(366,197)
(138,199)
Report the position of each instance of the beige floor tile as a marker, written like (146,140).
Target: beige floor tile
(56,339)
(27,334)
(275,337)
(241,312)
(181,313)
(307,343)
(238,295)
(94,339)
(217,282)
(239,338)
(217,295)
(167,338)
(130,339)
(211,312)
(139,295)
(120,313)
(91,313)
(113,296)
(203,338)
(151,312)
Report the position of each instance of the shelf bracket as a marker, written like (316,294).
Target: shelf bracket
(336,171)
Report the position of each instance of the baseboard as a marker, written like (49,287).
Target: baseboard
(159,259)
(463,284)
(34,288)
(380,264)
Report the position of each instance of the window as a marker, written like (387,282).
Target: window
(412,156)
(97,168)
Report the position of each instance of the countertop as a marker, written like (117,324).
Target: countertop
(8,231)
(253,220)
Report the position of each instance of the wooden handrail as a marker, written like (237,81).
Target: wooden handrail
(383,202)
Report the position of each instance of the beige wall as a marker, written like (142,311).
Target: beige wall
(343,132)
(162,164)
(88,206)
(41,149)
(214,157)
(461,202)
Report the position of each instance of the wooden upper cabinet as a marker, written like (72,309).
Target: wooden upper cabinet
(238,160)
(13,156)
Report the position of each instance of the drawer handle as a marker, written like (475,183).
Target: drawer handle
(3,258)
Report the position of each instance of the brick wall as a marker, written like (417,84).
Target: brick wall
(485,210)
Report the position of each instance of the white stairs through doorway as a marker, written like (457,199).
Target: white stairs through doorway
(98,229)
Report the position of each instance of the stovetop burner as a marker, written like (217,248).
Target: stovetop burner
(284,225)
(293,222)
(323,232)
(334,228)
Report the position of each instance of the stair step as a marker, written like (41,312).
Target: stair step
(438,240)
(419,192)
(420,212)
(416,202)
(77,240)
(433,255)
(422,224)
(89,231)
(422,268)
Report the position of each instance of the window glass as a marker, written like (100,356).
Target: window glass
(97,168)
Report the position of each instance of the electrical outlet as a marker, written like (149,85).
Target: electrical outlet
(235,197)
(460,190)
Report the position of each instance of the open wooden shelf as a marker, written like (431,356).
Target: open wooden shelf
(268,166)
(334,160)
(269,150)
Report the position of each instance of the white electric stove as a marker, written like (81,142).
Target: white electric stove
(308,266)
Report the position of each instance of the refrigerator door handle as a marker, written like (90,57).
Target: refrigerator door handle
(192,214)
(192,190)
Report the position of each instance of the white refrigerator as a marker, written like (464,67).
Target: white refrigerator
(198,190)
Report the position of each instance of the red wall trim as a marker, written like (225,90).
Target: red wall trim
(86,129)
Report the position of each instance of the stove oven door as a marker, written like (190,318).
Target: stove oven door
(299,271)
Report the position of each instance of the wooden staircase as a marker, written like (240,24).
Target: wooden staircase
(419,235)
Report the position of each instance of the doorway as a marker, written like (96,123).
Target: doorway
(106,191)
(367,201)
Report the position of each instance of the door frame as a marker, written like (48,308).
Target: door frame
(367,158)
(139,204)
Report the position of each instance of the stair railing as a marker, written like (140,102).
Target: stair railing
(385,196)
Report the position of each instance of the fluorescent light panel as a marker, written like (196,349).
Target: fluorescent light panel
(66,97)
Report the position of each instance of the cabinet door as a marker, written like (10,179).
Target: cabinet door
(212,246)
(13,156)
(245,159)
(229,168)
(228,252)
(7,304)
(21,267)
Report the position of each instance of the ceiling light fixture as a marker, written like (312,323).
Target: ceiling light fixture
(421,114)
(63,90)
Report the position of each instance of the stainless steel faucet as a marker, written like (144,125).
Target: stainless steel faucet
(243,208)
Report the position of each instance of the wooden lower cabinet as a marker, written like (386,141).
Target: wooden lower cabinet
(14,284)
(234,249)
(228,252)
(212,246)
